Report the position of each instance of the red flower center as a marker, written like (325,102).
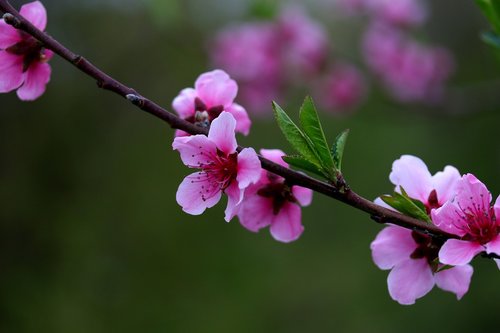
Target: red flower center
(29,48)
(479,223)
(279,192)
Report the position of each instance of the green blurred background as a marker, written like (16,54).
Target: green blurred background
(92,240)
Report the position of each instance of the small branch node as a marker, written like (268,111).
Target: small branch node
(136,100)
(77,60)
(11,20)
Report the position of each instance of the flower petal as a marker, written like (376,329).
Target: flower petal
(497,262)
(195,150)
(35,13)
(445,183)
(234,198)
(274,155)
(412,174)
(243,122)
(447,218)
(287,225)
(473,192)
(8,35)
(11,72)
(303,195)
(410,280)
(456,279)
(493,246)
(183,104)
(381,202)
(36,78)
(496,208)
(457,252)
(249,168)
(222,133)
(216,88)
(392,246)
(256,212)
(195,195)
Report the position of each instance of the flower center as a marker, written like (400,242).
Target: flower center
(479,223)
(432,202)
(30,48)
(279,192)
(427,247)
(204,116)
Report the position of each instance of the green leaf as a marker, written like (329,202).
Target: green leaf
(311,126)
(406,205)
(301,163)
(299,141)
(491,9)
(338,149)
(491,38)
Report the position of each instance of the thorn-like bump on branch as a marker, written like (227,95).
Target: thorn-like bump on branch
(11,20)
(136,100)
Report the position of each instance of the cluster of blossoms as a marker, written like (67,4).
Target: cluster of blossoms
(270,57)
(411,71)
(257,197)
(23,60)
(459,205)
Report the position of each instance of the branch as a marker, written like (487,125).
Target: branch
(104,81)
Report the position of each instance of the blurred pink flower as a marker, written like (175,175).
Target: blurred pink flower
(410,71)
(305,42)
(271,202)
(410,257)
(341,89)
(214,92)
(222,168)
(400,12)
(23,59)
(471,217)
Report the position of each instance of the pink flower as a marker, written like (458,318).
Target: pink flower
(411,258)
(222,168)
(23,59)
(471,217)
(400,12)
(342,89)
(271,202)
(433,191)
(214,92)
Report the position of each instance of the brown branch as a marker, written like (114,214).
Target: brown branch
(104,81)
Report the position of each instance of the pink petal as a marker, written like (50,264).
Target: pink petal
(287,225)
(493,246)
(234,198)
(412,174)
(183,104)
(216,88)
(249,168)
(181,133)
(195,150)
(458,252)
(303,195)
(456,279)
(195,195)
(447,218)
(243,122)
(392,246)
(445,183)
(497,261)
(380,202)
(8,35)
(36,78)
(11,72)
(274,155)
(410,280)
(222,133)
(256,212)
(496,208)
(35,13)
(473,191)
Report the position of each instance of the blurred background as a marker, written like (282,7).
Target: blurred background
(92,240)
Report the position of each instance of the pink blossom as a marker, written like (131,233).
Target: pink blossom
(341,89)
(221,168)
(410,71)
(433,191)
(23,59)
(352,7)
(271,202)
(471,217)
(400,12)
(411,258)
(213,93)
(305,42)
